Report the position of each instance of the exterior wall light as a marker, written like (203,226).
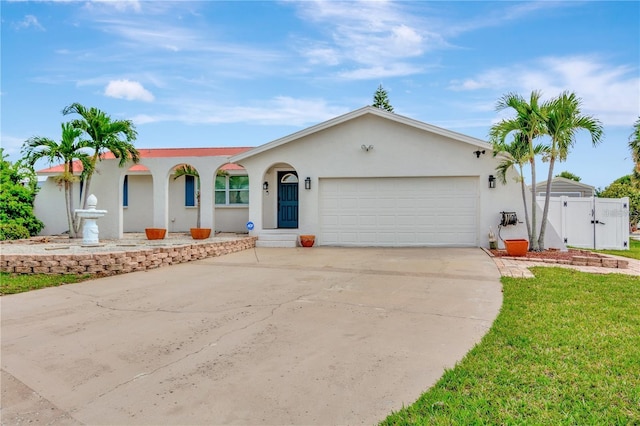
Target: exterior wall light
(265,186)
(478,152)
(492,181)
(307,183)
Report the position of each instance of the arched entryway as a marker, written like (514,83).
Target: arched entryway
(280,191)
(287,199)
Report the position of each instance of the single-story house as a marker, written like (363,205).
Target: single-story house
(565,187)
(365,178)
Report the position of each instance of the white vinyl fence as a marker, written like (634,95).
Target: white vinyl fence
(595,223)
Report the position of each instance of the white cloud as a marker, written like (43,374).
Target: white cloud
(129,90)
(367,33)
(281,110)
(29,21)
(118,5)
(609,92)
(391,70)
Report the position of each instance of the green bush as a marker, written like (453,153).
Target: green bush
(18,188)
(13,231)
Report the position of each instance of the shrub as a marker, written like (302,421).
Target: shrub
(18,187)
(13,231)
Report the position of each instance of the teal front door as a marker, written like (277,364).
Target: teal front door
(287,200)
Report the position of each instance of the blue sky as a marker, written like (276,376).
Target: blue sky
(208,73)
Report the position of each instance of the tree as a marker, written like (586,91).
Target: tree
(634,146)
(568,175)
(562,119)
(625,187)
(529,124)
(69,149)
(512,155)
(18,188)
(105,134)
(381,99)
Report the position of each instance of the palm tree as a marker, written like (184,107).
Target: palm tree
(69,149)
(512,155)
(527,122)
(105,134)
(634,146)
(563,119)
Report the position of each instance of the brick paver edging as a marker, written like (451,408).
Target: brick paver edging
(604,262)
(119,262)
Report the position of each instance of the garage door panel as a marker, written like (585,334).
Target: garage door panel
(435,211)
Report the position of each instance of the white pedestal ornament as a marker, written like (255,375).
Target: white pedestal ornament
(90,215)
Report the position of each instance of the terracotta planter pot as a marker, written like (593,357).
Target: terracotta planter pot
(155,233)
(516,248)
(200,233)
(307,240)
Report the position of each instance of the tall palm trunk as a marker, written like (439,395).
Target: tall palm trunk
(523,188)
(547,196)
(68,193)
(533,241)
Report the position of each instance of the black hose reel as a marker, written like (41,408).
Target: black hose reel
(508,218)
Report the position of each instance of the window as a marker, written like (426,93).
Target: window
(125,191)
(189,191)
(232,190)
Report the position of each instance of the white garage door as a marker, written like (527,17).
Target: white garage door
(420,211)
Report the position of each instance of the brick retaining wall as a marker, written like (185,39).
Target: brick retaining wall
(119,262)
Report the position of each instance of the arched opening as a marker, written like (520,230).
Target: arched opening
(184,198)
(137,198)
(231,199)
(280,197)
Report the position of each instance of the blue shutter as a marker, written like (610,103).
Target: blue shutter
(125,192)
(189,191)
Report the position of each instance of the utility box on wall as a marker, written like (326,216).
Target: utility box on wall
(594,223)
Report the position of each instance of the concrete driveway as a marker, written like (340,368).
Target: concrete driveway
(264,336)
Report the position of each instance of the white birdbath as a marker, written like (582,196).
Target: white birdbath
(90,229)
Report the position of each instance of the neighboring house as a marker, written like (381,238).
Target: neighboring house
(565,187)
(366,178)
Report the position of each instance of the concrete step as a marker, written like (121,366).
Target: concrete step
(274,239)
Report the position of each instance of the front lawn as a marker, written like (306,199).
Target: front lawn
(14,283)
(565,349)
(633,252)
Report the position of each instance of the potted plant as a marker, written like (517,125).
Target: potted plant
(307,240)
(155,233)
(197,233)
(493,241)
(516,247)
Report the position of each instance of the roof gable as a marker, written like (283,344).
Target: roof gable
(367,110)
(565,182)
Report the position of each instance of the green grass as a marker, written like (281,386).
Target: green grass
(15,283)
(633,252)
(565,349)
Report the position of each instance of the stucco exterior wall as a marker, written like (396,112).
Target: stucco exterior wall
(398,150)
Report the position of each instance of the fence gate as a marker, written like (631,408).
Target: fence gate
(595,223)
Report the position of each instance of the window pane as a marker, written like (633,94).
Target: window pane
(238,197)
(125,192)
(239,182)
(221,182)
(189,191)
(220,197)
